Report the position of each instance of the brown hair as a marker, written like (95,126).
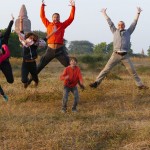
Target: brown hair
(73,58)
(56,14)
(35,37)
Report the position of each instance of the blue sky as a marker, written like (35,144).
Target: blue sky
(89,24)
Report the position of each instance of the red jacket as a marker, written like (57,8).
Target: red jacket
(58,36)
(6,54)
(74,76)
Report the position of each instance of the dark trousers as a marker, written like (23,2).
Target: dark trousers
(29,67)
(6,68)
(50,54)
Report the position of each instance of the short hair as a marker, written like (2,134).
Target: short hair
(73,58)
(122,22)
(35,37)
(56,14)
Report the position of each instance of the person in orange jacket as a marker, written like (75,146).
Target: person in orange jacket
(55,42)
(71,76)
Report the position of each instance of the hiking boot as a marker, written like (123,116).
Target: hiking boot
(93,85)
(74,110)
(64,110)
(5,98)
(143,87)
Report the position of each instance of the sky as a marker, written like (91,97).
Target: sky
(89,24)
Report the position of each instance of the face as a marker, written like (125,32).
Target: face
(121,25)
(73,63)
(56,18)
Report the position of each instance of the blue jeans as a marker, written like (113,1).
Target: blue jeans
(74,91)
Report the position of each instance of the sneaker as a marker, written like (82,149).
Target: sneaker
(74,110)
(143,87)
(63,110)
(93,85)
(5,98)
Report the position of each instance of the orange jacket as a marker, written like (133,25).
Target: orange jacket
(74,74)
(57,37)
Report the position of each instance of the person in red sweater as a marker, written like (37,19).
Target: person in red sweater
(71,77)
(56,29)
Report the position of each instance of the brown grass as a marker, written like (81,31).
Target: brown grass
(115,116)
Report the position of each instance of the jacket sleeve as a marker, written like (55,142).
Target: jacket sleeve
(43,17)
(111,25)
(67,22)
(8,31)
(63,75)
(80,78)
(6,54)
(132,27)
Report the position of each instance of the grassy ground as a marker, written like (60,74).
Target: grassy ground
(115,116)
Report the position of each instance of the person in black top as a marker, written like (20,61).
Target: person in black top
(5,66)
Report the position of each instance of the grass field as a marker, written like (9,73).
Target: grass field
(115,116)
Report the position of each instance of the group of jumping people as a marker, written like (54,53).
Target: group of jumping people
(55,49)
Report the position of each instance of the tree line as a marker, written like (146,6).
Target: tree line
(73,47)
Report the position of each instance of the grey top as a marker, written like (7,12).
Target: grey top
(121,39)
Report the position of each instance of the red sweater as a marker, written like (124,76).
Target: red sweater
(74,76)
(6,54)
(58,36)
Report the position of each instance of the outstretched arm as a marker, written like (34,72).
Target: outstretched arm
(111,24)
(139,10)
(72,14)
(42,14)
(133,25)
(8,30)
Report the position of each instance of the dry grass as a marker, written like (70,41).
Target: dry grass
(115,116)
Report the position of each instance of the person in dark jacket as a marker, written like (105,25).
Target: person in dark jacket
(5,66)
(30,42)
(30,45)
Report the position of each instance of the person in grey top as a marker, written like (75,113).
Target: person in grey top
(121,46)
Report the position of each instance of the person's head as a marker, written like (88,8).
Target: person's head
(56,17)
(31,36)
(73,61)
(121,25)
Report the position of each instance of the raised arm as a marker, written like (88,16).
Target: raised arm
(133,25)
(72,14)
(42,15)
(111,24)
(8,30)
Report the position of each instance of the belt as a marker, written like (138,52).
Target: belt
(55,45)
(121,53)
(31,60)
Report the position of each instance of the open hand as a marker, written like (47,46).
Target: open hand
(139,10)
(72,3)
(103,10)
(43,3)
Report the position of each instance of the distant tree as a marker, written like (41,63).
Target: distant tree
(14,45)
(103,48)
(80,47)
(148,51)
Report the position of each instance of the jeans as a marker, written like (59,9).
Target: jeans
(29,67)
(74,90)
(113,61)
(6,68)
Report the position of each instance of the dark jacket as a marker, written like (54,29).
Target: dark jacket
(30,53)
